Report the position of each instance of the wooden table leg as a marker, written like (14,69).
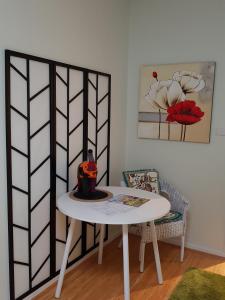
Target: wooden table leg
(126,263)
(101,243)
(65,259)
(156,253)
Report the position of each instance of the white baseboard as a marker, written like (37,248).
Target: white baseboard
(49,283)
(198,247)
(205,249)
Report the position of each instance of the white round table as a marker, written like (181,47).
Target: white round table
(157,207)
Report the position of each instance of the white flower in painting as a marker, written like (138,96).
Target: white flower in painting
(190,82)
(165,93)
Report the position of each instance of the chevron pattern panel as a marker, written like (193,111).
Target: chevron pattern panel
(69,151)
(54,113)
(98,138)
(30,173)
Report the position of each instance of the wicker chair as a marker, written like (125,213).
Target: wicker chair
(165,228)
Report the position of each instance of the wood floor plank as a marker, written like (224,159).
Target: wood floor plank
(90,281)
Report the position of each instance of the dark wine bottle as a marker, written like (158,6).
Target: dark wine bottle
(90,156)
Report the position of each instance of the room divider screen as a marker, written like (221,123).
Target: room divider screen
(54,113)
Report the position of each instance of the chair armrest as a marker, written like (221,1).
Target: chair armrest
(177,200)
(165,195)
(123,183)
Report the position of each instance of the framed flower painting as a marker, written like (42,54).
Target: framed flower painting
(176,102)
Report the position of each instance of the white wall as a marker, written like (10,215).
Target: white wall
(182,31)
(93,34)
(88,33)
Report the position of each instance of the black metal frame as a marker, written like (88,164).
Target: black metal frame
(52,158)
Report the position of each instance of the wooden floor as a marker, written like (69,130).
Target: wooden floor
(90,281)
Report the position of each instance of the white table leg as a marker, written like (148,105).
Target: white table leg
(156,253)
(65,258)
(126,274)
(101,243)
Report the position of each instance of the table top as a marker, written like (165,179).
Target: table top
(156,208)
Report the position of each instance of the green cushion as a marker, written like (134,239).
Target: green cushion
(172,216)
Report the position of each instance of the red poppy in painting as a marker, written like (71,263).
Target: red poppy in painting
(185,112)
(154,74)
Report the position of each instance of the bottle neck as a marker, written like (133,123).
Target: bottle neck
(90,156)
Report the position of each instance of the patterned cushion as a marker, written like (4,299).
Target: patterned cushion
(147,179)
(172,216)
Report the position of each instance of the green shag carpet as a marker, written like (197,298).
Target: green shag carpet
(199,285)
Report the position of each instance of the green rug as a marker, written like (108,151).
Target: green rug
(199,285)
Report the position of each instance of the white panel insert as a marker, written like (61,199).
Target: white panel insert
(39,76)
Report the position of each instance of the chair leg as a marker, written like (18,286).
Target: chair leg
(182,249)
(101,243)
(139,257)
(142,256)
(120,243)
